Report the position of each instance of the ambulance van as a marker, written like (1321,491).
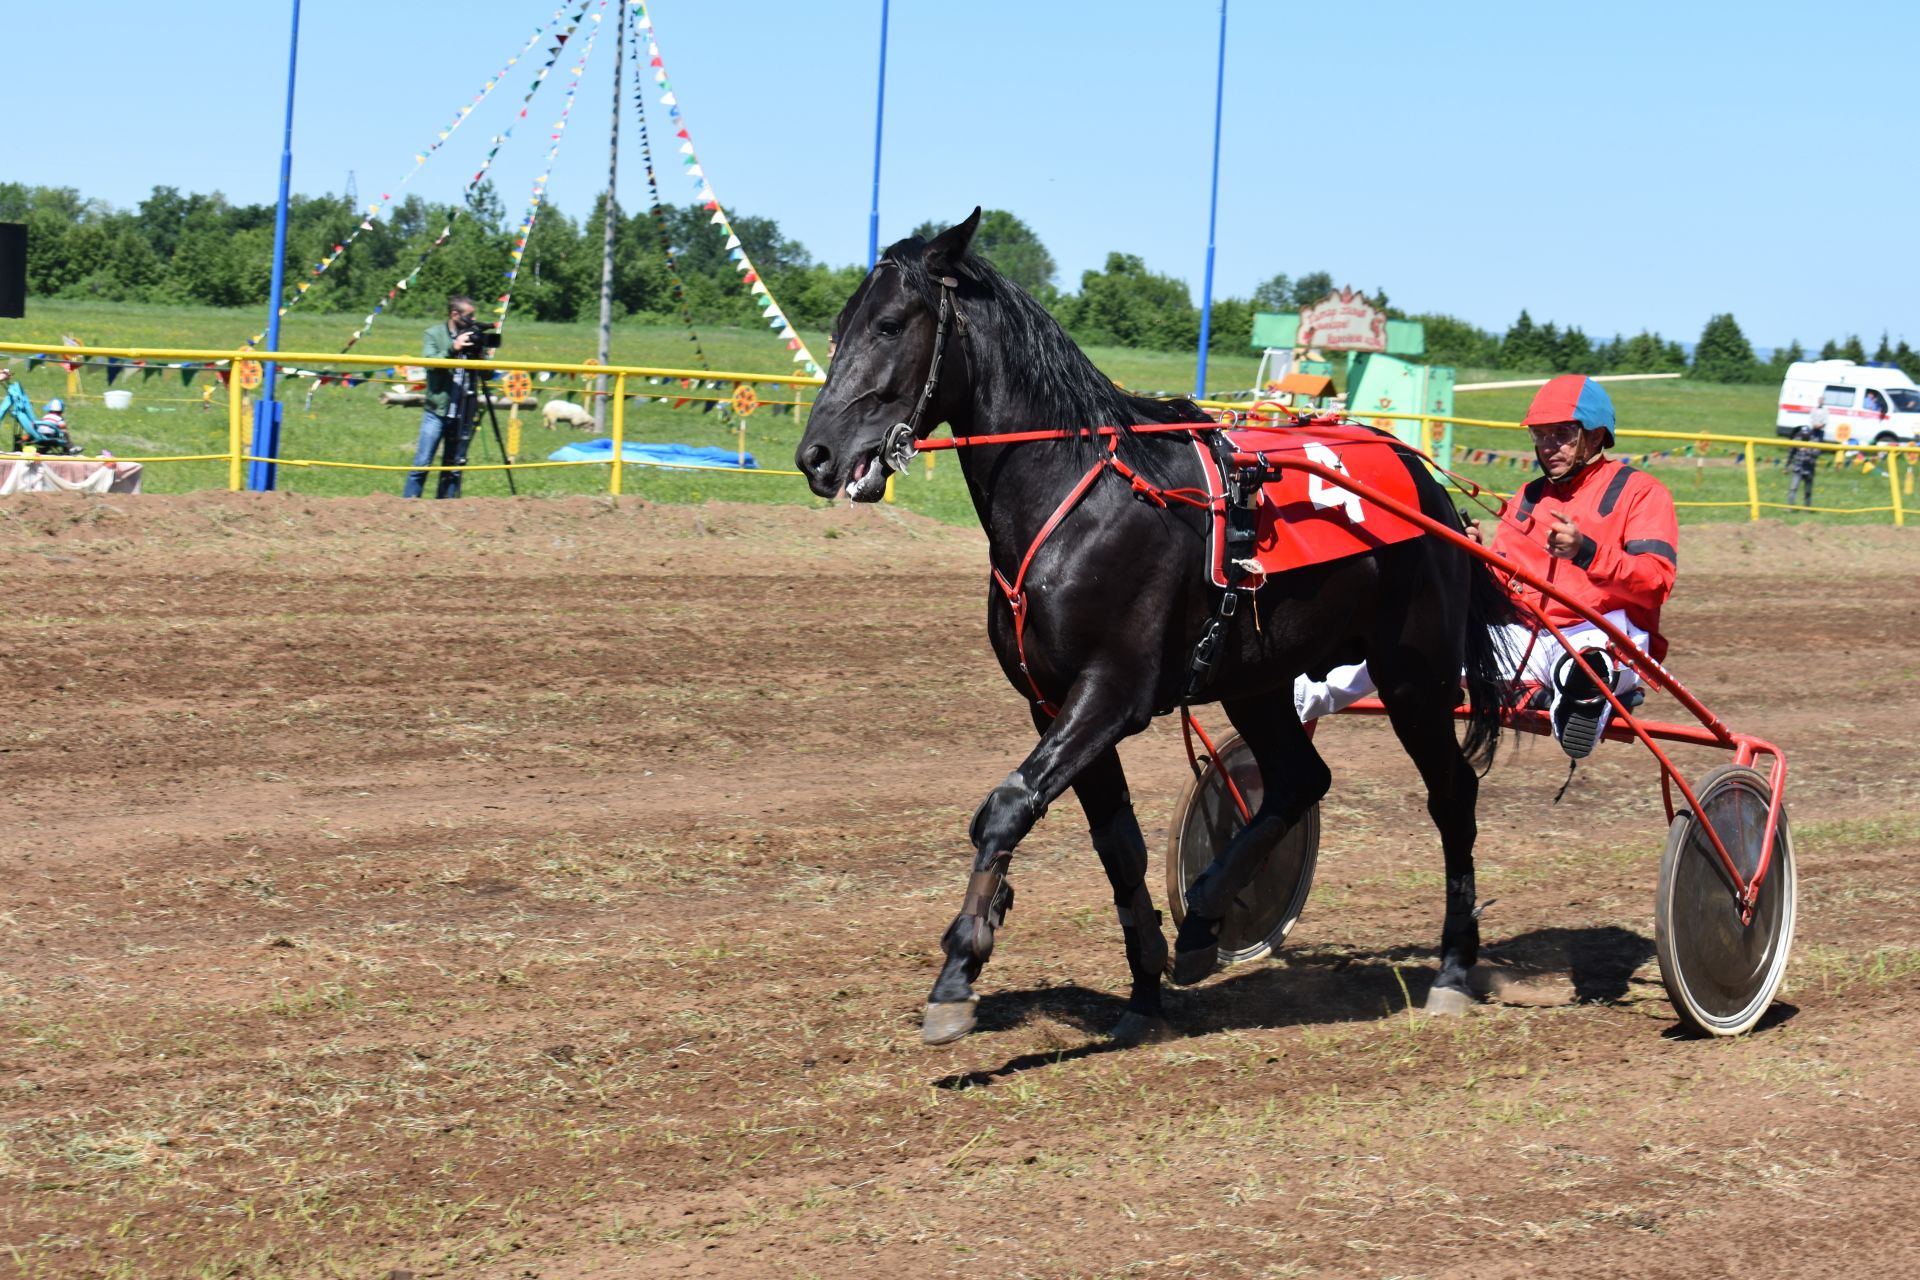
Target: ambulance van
(1865,403)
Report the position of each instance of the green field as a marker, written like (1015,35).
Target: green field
(350,425)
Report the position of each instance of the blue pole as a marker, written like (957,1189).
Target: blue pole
(879,118)
(266,411)
(1213,211)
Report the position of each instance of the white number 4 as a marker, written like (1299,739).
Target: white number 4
(1324,494)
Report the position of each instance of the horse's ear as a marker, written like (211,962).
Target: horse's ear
(947,248)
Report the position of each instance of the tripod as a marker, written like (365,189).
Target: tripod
(471,397)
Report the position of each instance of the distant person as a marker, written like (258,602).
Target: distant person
(48,434)
(15,408)
(1603,533)
(1801,462)
(1876,404)
(447,340)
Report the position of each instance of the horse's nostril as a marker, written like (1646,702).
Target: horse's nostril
(816,458)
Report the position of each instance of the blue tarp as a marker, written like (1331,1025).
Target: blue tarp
(656,455)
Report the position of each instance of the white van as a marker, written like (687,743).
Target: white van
(1866,403)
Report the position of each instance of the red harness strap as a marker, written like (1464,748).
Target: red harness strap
(1015,591)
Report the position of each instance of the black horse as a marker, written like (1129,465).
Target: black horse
(1116,599)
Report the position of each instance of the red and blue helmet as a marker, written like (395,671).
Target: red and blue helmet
(1572,397)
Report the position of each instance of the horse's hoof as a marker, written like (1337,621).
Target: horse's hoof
(1189,967)
(1137,1029)
(946,1022)
(1448,1001)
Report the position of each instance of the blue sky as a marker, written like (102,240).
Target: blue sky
(1611,165)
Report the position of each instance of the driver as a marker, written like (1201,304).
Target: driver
(1601,532)
(49,433)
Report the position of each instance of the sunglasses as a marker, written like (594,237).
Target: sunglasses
(1554,434)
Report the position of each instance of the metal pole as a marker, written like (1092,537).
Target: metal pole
(266,411)
(612,222)
(879,118)
(1893,480)
(1213,211)
(619,431)
(1753,487)
(234,447)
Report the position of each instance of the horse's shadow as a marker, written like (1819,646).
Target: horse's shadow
(1314,986)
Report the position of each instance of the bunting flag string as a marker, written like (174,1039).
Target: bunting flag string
(372,212)
(658,209)
(703,394)
(525,230)
(770,309)
(117,366)
(1522,461)
(473,183)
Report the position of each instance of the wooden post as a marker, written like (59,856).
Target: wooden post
(611,223)
(1753,485)
(619,429)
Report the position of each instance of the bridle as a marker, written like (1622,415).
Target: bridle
(902,438)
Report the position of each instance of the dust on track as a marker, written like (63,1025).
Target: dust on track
(550,889)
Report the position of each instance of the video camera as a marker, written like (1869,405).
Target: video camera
(488,337)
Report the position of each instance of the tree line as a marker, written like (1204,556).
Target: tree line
(203,249)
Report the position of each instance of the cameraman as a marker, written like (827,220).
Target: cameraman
(457,339)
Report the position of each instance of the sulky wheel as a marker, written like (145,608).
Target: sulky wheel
(1721,974)
(1206,818)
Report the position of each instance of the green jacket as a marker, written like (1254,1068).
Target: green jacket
(438,346)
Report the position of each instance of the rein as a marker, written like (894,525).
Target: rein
(904,438)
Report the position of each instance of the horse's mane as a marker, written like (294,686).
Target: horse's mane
(1034,355)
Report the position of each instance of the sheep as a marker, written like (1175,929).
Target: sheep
(558,411)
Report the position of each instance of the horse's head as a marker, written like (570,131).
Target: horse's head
(895,373)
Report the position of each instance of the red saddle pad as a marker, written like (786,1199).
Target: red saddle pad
(1304,519)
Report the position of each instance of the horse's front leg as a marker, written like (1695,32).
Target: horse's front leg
(1096,715)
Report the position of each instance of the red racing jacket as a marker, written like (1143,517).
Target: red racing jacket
(1628,555)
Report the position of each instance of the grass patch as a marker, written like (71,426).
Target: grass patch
(349,425)
(1835,971)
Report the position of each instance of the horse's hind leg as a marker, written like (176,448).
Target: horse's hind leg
(1102,789)
(1421,711)
(1293,778)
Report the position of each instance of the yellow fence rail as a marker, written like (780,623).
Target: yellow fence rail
(236,457)
(1902,461)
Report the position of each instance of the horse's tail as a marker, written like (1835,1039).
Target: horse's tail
(1489,607)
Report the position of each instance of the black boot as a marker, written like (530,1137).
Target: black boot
(1580,714)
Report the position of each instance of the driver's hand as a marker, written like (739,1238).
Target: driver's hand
(1563,537)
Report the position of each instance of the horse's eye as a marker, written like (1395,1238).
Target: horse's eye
(888,328)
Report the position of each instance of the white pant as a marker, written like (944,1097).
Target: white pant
(1346,685)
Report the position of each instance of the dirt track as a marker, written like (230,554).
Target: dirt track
(550,889)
